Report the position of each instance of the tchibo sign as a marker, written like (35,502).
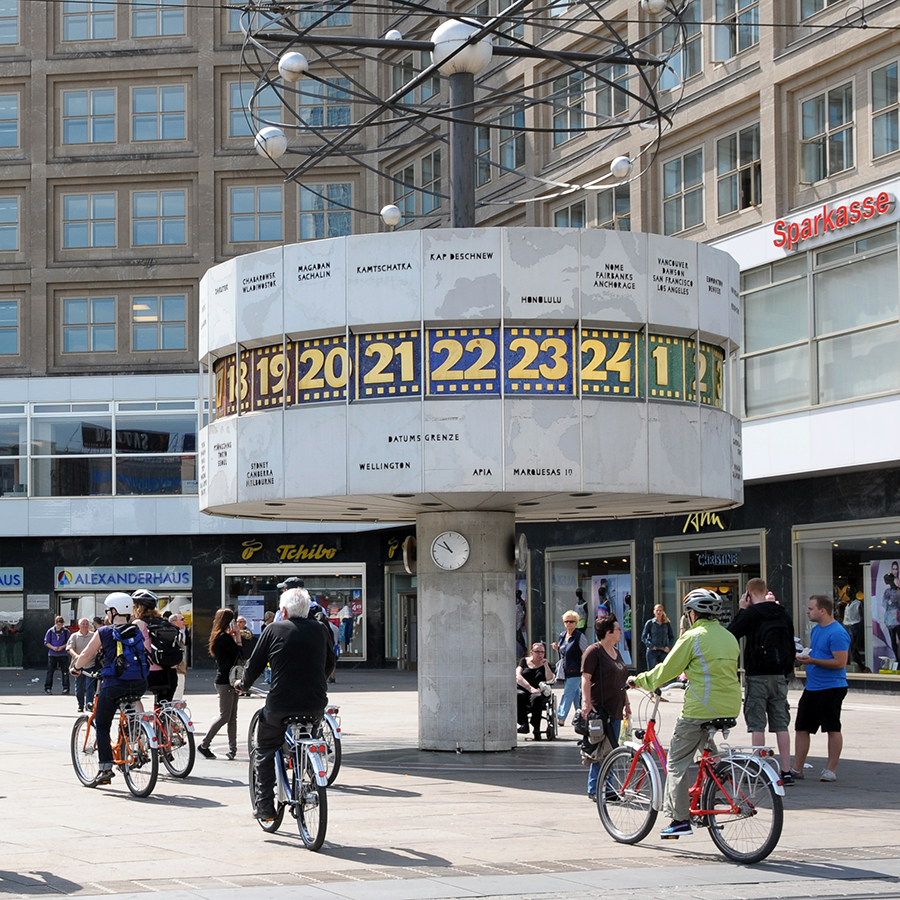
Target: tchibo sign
(790,234)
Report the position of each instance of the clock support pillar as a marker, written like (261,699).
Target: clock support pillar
(467,623)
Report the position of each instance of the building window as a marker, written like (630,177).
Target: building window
(159,323)
(511,34)
(155,18)
(482,155)
(512,139)
(432,85)
(738,27)
(811,7)
(567,98)
(570,217)
(330,15)
(401,74)
(9,327)
(325,104)
(255,214)
(9,21)
(804,343)
(157,113)
(431,182)
(89,20)
(89,220)
(158,217)
(89,325)
(827,134)
(614,208)
(738,170)
(266,107)
(884,111)
(683,192)
(405,194)
(9,120)
(89,117)
(682,48)
(325,210)
(9,223)
(612,83)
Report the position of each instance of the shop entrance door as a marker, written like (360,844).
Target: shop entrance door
(728,587)
(408,651)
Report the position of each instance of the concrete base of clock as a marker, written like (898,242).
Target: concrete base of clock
(466,623)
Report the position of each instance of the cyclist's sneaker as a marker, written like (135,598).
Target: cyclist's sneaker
(797,776)
(104,776)
(676,829)
(828,775)
(205,751)
(787,779)
(265,815)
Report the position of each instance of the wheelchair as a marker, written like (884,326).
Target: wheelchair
(549,721)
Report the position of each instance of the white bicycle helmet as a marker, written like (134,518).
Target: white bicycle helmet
(703,601)
(119,602)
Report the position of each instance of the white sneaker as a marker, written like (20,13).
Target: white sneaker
(828,775)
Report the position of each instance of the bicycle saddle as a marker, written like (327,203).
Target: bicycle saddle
(719,724)
(300,720)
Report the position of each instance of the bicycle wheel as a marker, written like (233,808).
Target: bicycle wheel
(333,750)
(625,796)
(268,827)
(251,732)
(179,756)
(749,815)
(84,751)
(142,767)
(312,812)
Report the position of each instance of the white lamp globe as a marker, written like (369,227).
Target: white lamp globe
(293,66)
(447,38)
(621,167)
(391,215)
(654,7)
(270,142)
(393,35)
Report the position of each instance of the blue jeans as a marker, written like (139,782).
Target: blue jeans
(594,770)
(85,685)
(571,695)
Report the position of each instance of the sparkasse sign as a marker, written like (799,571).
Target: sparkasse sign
(790,234)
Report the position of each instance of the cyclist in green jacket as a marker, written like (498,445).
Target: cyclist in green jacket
(708,654)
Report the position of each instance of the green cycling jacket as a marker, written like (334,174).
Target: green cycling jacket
(708,655)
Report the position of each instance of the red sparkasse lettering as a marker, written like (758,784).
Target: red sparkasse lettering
(868,206)
(790,234)
(780,236)
(855,212)
(883,202)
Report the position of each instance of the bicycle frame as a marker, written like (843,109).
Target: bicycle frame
(311,748)
(147,723)
(175,708)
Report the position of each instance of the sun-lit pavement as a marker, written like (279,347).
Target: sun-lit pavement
(407,823)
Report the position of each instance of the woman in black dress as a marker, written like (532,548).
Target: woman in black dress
(225,647)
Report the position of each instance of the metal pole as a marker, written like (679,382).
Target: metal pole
(462,150)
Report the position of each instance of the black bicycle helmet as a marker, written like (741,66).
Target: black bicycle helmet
(703,601)
(147,599)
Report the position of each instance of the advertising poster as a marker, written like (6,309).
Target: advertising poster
(252,608)
(611,594)
(884,603)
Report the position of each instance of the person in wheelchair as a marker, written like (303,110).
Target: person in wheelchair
(530,672)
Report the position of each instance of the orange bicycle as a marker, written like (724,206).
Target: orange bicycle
(736,795)
(134,748)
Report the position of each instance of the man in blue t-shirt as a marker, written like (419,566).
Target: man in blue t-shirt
(826,686)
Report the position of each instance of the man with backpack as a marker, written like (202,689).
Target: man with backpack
(124,672)
(768,662)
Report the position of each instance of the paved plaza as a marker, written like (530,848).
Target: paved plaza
(404,823)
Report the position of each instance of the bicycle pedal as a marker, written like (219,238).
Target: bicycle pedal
(669,837)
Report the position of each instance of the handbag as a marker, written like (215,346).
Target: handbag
(595,753)
(235,673)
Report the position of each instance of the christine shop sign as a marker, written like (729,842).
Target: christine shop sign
(790,234)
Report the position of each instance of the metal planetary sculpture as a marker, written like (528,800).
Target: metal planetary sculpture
(463,378)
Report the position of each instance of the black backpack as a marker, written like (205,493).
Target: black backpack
(775,649)
(165,641)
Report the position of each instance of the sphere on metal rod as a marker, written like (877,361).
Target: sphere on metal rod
(654,7)
(270,142)
(293,66)
(452,35)
(621,167)
(391,215)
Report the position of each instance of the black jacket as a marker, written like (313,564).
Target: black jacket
(747,623)
(301,656)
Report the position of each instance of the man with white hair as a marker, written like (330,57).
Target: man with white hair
(85,683)
(301,656)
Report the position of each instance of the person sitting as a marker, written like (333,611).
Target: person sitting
(530,672)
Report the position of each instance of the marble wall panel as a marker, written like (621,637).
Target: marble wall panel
(543,445)
(315,286)
(222,456)
(315,451)
(541,274)
(259,282)
(718,297)
(614,277)
(615,446)
(222,303)
(384,278)
(260,465)
(718,453)
(461,275)
(673,283)
(384,447)
(675,449)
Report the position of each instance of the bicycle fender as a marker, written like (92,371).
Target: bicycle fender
(768,770)
(335,726)
(150,731)
(184,718)
(319,768)
(657,784)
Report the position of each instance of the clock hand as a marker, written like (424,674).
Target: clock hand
(446,546)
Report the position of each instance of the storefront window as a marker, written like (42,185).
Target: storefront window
(857,565)
(592,581)
(252,591)
(12,618)
(400,617)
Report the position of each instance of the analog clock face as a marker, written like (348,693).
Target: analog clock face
(450,550)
